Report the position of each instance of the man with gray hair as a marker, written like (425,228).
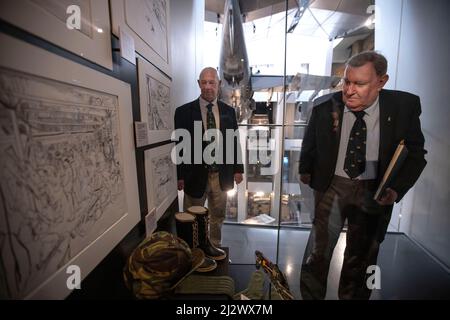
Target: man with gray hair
(347,147)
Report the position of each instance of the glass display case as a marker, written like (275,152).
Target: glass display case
(271,194)
(291,62)
(287,72)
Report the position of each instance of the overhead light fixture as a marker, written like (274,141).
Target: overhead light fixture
(259,128)
(370,22)
(363,29)
(336,42)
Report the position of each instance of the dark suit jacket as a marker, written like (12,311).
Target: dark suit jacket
(399,119)
(195,176)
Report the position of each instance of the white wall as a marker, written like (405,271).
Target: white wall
(387,34)
(388,17)
(187,18)
(413,34)
(187,36)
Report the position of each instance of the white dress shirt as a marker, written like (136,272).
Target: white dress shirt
(372,119)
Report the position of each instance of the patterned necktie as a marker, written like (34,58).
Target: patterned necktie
(210,120)
(211,124)
(355,158)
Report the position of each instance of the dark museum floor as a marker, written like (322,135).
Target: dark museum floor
(407,271)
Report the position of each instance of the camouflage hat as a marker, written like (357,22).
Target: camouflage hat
(159,264)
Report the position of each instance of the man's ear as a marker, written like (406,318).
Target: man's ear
(383,79)
(198,82)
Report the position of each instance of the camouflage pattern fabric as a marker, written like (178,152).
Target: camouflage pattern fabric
(159,264)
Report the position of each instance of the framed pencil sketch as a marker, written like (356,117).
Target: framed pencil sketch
(49,19)
(160,176)
(147,21)
(68,183)
(154,97)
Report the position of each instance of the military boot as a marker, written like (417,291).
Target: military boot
(202,217)
(187,229)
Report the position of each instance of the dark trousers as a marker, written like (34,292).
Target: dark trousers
(366,221)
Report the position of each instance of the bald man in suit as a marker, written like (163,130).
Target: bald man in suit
(201,181)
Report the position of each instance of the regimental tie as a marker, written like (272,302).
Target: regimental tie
(211,124)
(355,158)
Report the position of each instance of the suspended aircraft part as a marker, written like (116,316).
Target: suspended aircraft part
(243,109)
(231,22)
(234,67)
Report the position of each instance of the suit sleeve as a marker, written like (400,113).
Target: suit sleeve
(415,161)
(238,166)
(308,150)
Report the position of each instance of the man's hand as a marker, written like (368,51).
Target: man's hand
(305,178)
(388,198)
(238,178)
(180,185)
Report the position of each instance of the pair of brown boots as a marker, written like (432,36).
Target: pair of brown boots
(192,227)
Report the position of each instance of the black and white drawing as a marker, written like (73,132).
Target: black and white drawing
(147,21)
(61,173)
(156,111)
(153,27)
(58,9)
(65,170)
(160,175)
(48,20)
(158,104)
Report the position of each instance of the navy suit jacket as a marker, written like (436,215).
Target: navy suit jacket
(399,119)
(195,176)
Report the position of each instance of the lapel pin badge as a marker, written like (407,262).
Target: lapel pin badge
(389,119)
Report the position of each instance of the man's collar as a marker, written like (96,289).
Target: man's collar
(204,103)
(370,110)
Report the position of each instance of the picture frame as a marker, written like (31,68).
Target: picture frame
(148,23)
(47,19)
(68,179)
(155,102)
(161,178)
